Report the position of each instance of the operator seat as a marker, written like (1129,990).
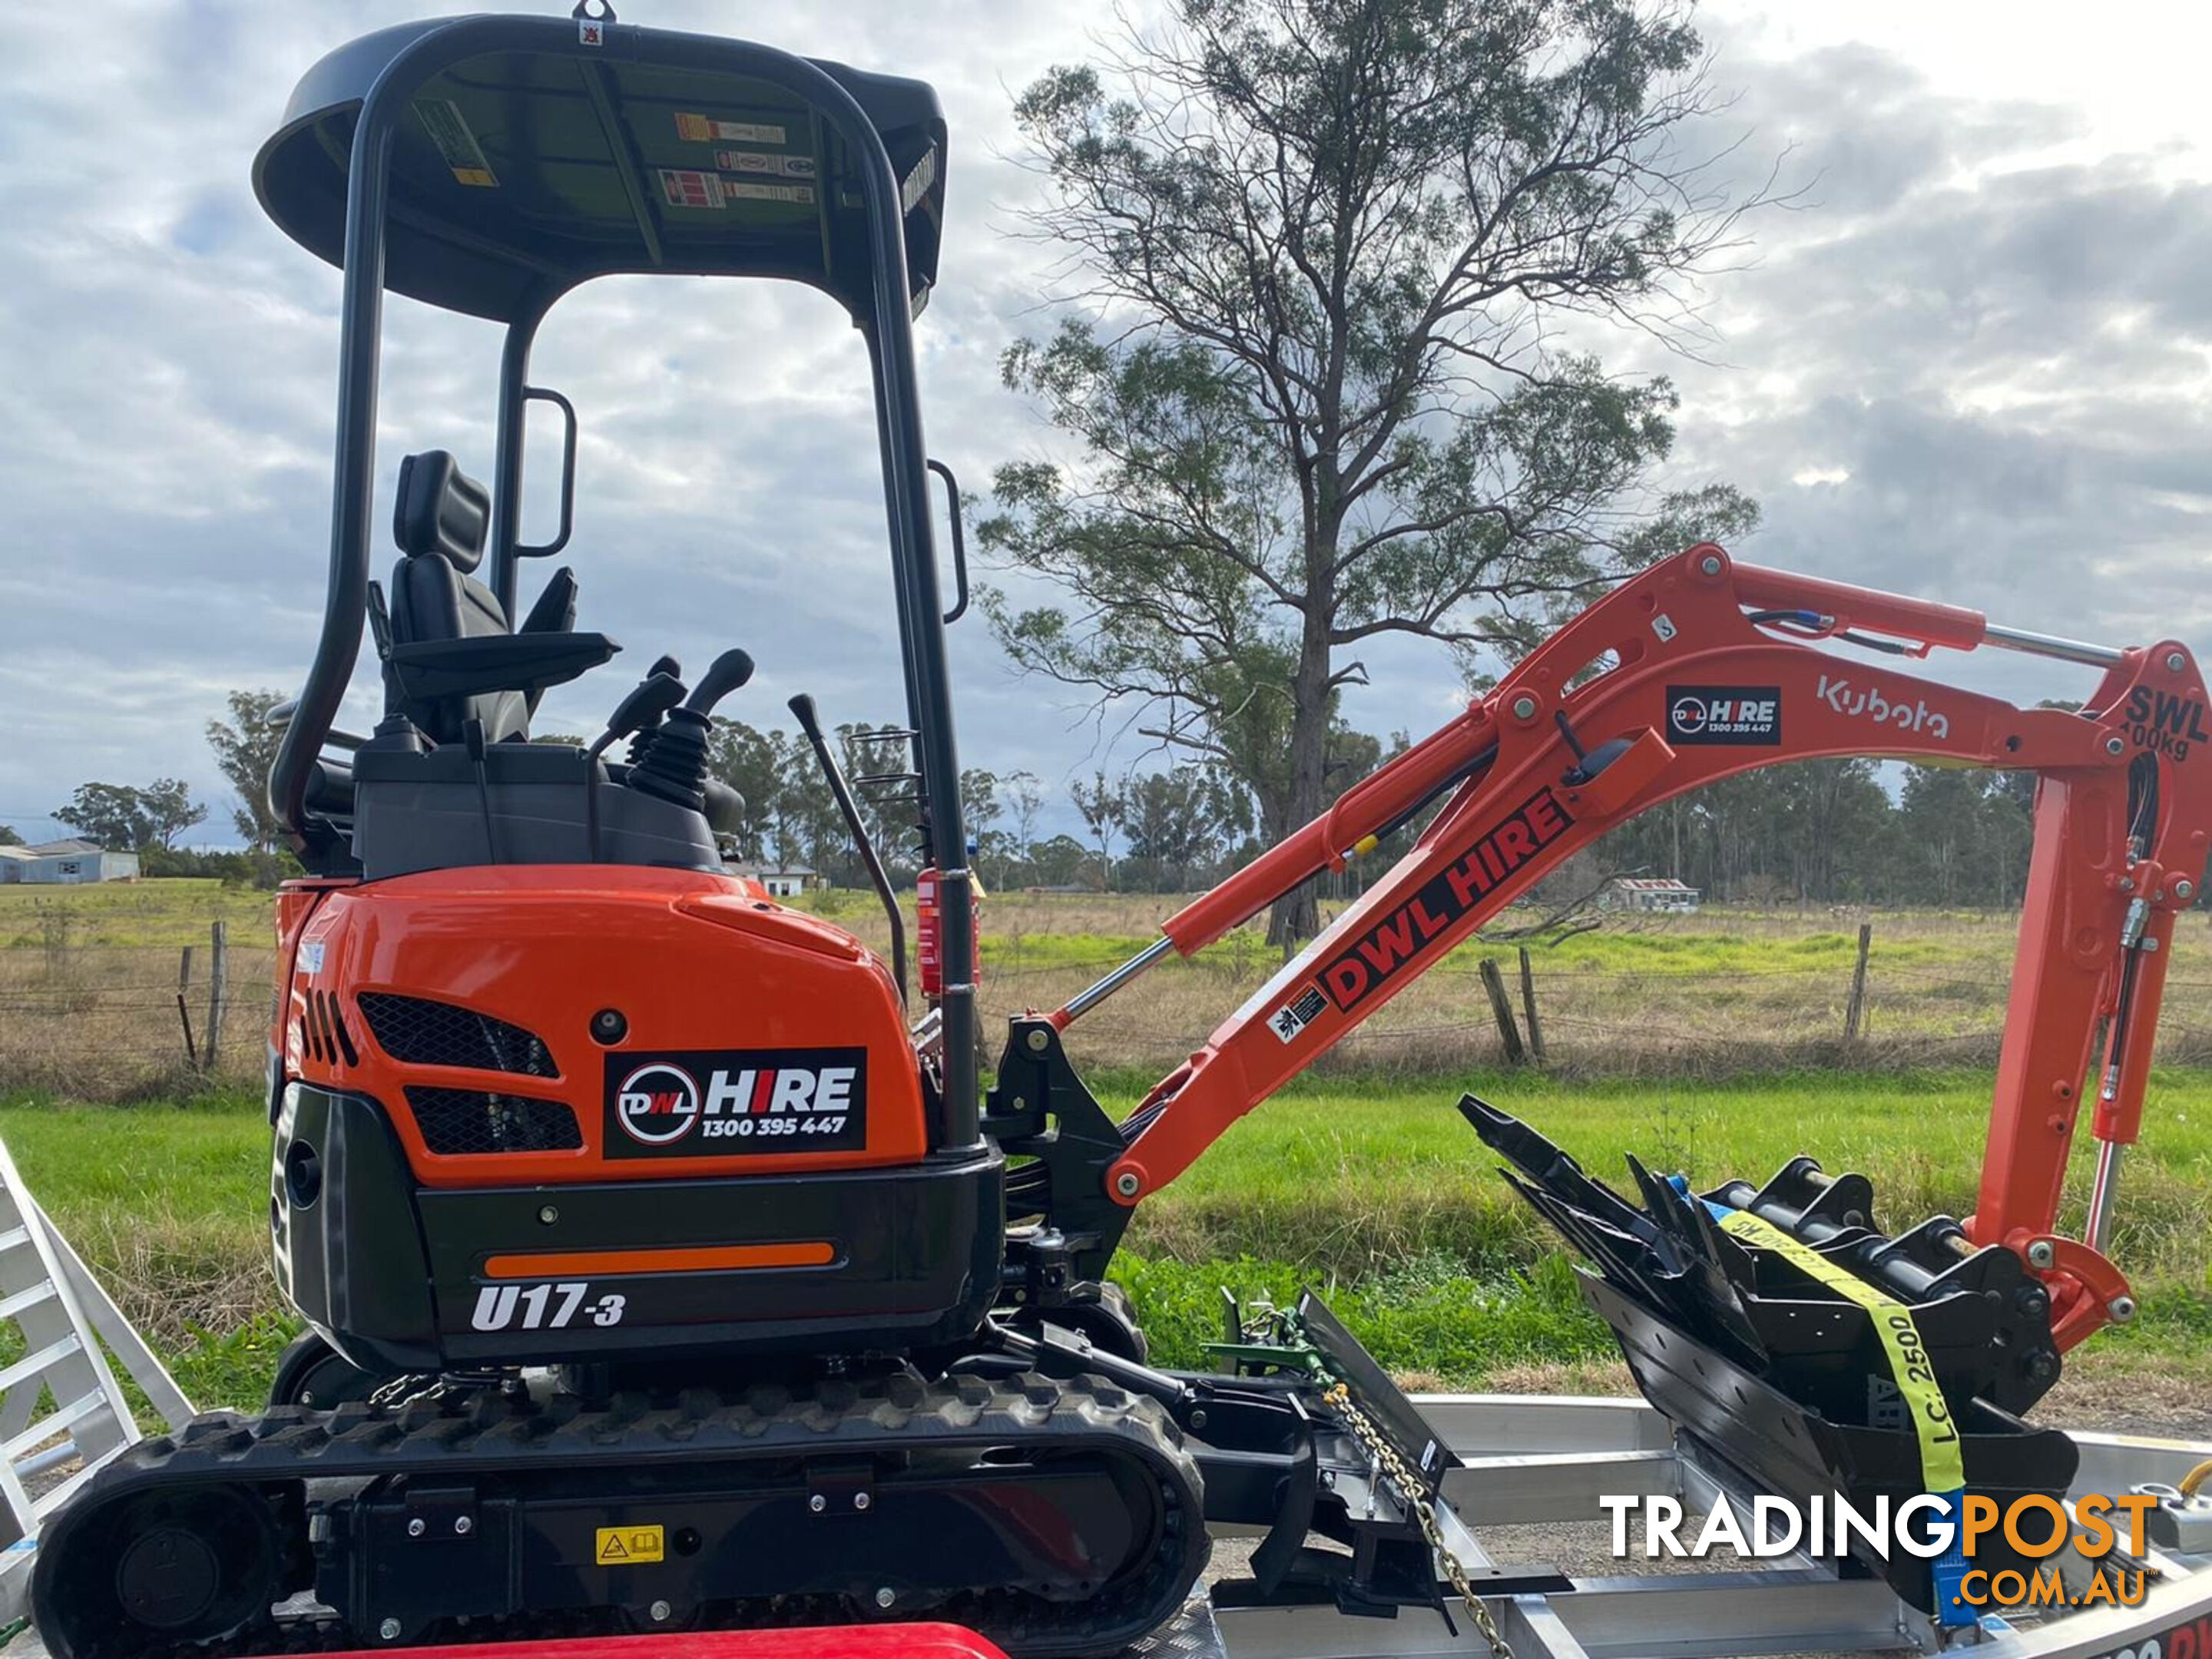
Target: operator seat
(441,521)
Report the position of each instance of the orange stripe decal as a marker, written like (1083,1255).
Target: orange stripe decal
(712,1259)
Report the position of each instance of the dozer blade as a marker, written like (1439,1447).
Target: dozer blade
(1422,1447)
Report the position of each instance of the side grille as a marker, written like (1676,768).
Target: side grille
(463,1122)
(323,1030)
(420,1032)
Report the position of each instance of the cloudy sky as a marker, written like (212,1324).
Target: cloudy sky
(1971,363)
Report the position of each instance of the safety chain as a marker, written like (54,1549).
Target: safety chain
(1413,1492)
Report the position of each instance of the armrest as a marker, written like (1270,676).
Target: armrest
(555,609)
(496,662)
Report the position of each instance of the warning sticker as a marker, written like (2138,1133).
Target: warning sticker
(918,181)
(738,189)
(442,118)
(705,130)
(622,1546)
(1294,1016)
(761,160)
(686,187)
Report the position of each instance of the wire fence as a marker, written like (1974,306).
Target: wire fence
(117,1022)
(1492,1004)
(104,1021)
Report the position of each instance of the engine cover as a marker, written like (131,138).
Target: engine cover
(548,1114)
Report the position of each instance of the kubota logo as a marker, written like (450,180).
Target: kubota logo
(725,1103)
(1871,705)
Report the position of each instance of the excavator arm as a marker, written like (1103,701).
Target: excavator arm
(1700,669)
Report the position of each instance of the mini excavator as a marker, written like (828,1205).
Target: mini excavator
(667,1264)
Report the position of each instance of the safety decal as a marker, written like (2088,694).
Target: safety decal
(735,1103)
(628,1546)
(761,160)
(1386,948)
(1747,714)
(706,130)
(1300,1011)
(740,189)
(686,187)
(456,144)
(917,182)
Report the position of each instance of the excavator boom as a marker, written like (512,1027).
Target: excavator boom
(1697,670)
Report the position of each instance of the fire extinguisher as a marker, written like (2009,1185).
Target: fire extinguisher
(929,932)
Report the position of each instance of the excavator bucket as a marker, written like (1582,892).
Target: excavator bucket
(1754,1319)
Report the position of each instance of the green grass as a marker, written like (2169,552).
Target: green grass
(1386,1193)
(1379,1196)
(160,910)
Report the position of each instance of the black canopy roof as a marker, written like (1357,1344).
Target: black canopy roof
(523,169)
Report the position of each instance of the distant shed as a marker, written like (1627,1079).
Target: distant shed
(781,880)
(13,862)
(1652,895)
(75,862)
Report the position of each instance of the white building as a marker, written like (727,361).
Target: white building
(69,863)
(13,860)
(781,880)
(1660,895)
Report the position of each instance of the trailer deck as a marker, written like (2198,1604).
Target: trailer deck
(1524,1515)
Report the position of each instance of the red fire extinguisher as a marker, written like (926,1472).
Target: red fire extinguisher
(929,932)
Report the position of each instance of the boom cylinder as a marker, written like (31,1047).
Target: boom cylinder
(1371,808)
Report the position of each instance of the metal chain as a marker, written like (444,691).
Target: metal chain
(1413,1492)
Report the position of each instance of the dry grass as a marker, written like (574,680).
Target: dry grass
(88,982)
(1722,993)
(174,1276)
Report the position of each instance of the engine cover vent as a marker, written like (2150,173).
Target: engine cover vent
(468,1123)
(419,1032)
(323,1032)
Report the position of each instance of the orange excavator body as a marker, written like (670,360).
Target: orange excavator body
(686,961)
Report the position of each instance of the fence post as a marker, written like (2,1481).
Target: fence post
(1855,1011)
(218,995)
(184,1009)
(1502,1006)
(1529,1008)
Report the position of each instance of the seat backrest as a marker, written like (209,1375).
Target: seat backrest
(442,521)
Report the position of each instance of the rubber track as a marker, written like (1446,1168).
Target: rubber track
(460,1434)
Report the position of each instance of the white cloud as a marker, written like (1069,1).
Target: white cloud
(1974,365)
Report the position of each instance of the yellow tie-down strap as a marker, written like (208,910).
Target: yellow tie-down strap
(1942,1470)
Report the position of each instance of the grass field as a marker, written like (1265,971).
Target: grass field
(1707,1044)
(1379,1196)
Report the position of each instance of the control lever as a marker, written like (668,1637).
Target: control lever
(380,622)
(728,673)
(802,708)
(651,728)
(472,735)
(638,712)
(675,768)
